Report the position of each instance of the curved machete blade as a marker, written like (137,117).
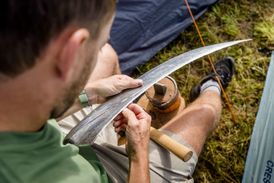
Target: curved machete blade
(88,129)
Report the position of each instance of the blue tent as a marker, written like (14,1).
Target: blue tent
(143,27)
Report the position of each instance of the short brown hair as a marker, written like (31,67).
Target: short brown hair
(27,26)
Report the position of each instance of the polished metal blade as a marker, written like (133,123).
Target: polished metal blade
(88,129)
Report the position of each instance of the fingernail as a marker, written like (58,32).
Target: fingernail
(140,82)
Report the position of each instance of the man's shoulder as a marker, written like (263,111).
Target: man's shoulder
(42,157)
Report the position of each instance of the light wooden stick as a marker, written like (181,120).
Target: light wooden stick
(166,142)
(170,144)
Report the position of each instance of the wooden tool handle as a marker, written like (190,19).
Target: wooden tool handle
(165,141)
(168,143)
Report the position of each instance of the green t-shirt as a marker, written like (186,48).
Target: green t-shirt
(41,157)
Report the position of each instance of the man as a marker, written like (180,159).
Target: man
(48,50)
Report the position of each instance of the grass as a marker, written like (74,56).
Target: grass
(224,154)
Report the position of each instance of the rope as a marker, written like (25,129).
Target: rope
(227,101)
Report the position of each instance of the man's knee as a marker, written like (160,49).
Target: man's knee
(109,55)
(210,112)
(107,64)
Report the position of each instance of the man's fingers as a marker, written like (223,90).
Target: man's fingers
(138,111)
(135,108)
(130,116)
(135,83)
(119,122)
(120,128)
(125,82)
(118,117)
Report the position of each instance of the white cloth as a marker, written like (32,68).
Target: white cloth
(106,135)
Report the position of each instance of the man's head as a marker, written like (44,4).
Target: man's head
(53,43)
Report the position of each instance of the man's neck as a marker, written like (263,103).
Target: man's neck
(20,111)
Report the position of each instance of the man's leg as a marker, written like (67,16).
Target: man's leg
(198,120)
(191,127)
(107,64)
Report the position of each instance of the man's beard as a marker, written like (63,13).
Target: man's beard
(72,92)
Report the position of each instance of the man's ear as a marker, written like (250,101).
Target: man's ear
(69,51)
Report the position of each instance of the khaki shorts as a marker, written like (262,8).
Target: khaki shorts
(164,166)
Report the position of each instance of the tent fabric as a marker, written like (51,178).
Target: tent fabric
(259,165)
(141,28)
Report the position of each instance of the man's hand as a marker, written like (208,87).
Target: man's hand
(136,122)
(98,90)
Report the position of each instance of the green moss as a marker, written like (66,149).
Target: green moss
(264,31)
(231,28)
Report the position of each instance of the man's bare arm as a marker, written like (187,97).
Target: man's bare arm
(136,122)
(98,90)
(139,168)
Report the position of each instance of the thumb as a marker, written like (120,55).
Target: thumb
(130,116)
(128,82)
(135,83)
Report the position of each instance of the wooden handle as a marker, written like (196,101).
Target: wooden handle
(168,143)
(165,141)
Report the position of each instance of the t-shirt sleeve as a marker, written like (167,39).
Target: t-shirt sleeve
(87,152)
